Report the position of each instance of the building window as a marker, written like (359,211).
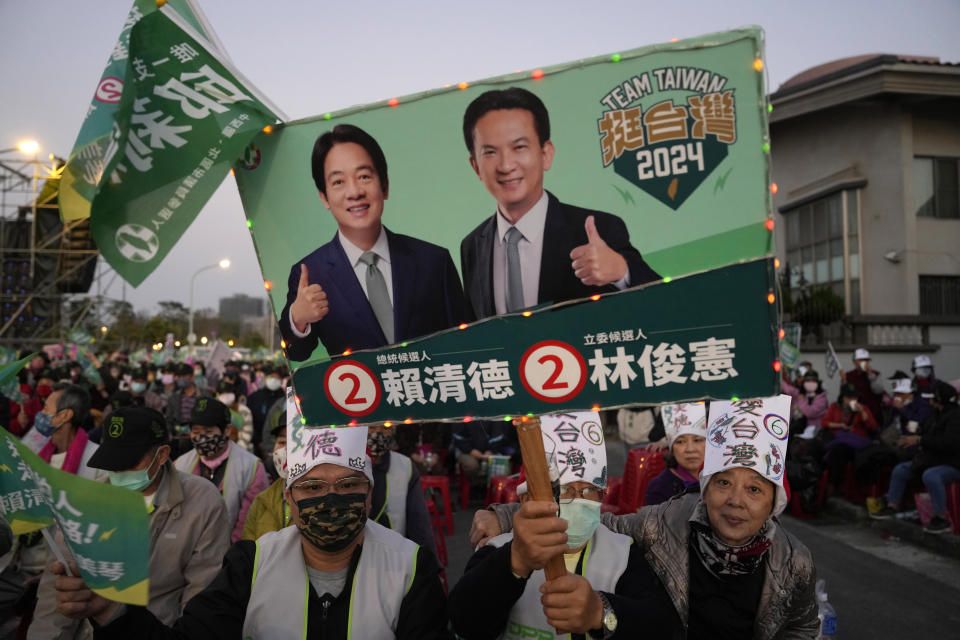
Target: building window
(940,295)
(936,186)
(823,247)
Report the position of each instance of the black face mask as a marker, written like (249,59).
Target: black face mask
(332,522)
(208,445)
(379,443)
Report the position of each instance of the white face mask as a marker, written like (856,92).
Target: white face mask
(854,405)
(810,387)
(863,365)
(273,383)
(227,398)
(280,462)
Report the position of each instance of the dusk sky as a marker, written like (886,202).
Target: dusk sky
(314,57)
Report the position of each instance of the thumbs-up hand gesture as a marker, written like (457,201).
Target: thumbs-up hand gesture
(311,303)
(595,263)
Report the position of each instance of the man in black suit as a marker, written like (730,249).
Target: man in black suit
(534,249)
(368,287)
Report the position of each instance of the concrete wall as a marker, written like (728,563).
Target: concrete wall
(873,140)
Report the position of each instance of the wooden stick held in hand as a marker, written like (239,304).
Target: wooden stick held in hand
(538,477)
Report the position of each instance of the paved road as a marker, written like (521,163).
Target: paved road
(880,588)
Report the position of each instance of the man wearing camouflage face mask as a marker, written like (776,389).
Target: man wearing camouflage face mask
(238,474)
(332,574)
(397,496)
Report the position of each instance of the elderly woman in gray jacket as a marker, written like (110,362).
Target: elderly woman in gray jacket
(730,570)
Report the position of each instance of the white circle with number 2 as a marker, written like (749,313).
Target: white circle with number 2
(553,371)
(352,388)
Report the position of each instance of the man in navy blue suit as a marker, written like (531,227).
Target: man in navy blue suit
(558,251)
(368,287)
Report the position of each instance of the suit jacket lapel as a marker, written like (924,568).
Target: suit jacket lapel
(484,274)
(403,266)
(348,290)
(555,257)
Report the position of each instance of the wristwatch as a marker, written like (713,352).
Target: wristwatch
(608,625)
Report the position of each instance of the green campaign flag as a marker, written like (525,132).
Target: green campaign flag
(84,168)
(184,116)
(790,344)
(106,528)
(703,336)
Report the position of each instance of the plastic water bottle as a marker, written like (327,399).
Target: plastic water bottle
(826,613)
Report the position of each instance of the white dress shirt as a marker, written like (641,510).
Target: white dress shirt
(382,248)
(531,225)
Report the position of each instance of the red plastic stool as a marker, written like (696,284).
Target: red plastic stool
(495,490)
(441,483)
(953,506)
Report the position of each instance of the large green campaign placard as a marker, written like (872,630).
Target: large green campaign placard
(106,528)
(670,138)
(708,335)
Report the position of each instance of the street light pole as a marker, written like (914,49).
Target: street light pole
(223,264)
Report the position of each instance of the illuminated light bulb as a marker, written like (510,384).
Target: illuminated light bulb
(249,224)
(667,280)
(776,263)
(463,325)
(393,102)
(267,129)
(353,423)
(530,415)
(467,418)
(507,419)
(769,108)
(758,64)
(776,366)
(771,298)
(595,407)
(537,74)
(408,421)
(327,116)
(782,333)
(267,285)
(233,172)
(766,147)
(734,399)
(283,344)
(773,187)
(463,85)
(615,57)
(527,314)
(769,224)
(674,39)
(347,352)
(388,424)
(595,297)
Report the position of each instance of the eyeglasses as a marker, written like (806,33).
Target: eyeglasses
(568,494)
(342,486)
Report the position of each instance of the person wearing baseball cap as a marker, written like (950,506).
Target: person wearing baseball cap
(333,573)
(237,473)
(730,569)
(270,511)
(187,537)
(867,381)
(937,459)
(609,589)
(923,376)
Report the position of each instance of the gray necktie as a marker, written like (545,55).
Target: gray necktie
(377,295)
(514,276)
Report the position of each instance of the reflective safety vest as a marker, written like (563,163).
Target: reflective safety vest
(603,561)
(395,496)
(237,478)
(280,589)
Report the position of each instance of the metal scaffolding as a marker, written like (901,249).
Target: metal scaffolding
(47,267)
